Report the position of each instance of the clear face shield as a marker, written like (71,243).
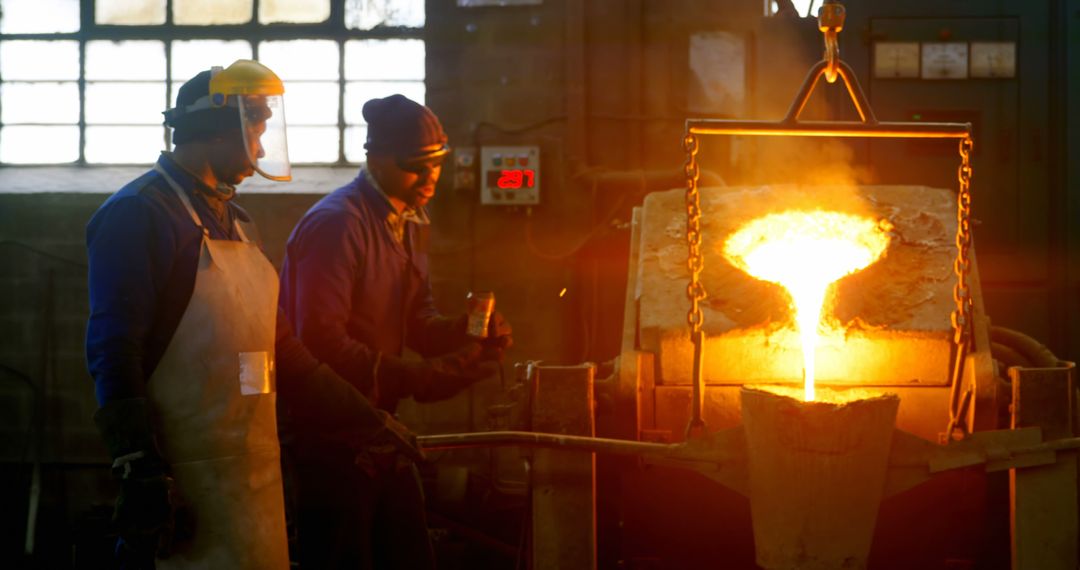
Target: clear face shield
(262,119)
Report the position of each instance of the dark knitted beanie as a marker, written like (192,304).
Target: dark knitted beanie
(402,127)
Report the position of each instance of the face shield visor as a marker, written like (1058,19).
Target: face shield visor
(262,120)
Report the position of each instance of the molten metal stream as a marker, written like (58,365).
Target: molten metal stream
(806,252)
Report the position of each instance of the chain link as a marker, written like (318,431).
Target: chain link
(695,262)
(961,316)
(960,399)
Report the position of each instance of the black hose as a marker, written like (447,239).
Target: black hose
(1008,355)
(1034,351)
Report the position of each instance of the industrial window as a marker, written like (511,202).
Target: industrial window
(85,81)
(804,8)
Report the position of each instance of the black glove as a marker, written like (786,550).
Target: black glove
(499,329)
(442,334)
(432,379)
(401,438)
(325,401)
(149,515)
(150,518)
(498,338)
(393,449)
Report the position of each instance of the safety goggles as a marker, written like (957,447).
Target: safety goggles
(419,165)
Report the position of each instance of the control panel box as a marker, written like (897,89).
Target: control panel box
(510,175)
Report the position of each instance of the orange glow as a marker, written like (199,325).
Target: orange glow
(805,252)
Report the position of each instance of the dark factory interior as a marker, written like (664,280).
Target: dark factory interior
(540,284)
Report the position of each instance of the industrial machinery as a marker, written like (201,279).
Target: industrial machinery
(913,414)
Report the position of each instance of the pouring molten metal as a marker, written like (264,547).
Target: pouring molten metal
(806,252)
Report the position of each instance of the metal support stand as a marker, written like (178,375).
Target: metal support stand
(1044,498)
(564,482)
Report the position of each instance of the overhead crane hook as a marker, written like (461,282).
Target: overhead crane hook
(831,22)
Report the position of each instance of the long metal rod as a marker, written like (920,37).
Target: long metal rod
(549,440)
(829,129)
(671,450)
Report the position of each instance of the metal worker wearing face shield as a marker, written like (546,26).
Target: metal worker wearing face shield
(355,285)
(187,346)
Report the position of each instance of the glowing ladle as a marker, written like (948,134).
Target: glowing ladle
(805,252)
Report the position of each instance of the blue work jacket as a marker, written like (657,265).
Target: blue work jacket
(351,290)
(143,250)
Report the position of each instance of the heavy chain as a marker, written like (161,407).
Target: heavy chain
(961,316)
(695,262)
(960,399)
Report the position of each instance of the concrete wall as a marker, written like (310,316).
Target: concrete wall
(43,308)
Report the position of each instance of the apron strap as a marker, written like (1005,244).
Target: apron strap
(191,209)
(240,231)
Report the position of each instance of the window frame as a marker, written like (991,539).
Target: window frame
(253,32)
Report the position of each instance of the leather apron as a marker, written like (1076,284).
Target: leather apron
(214,395)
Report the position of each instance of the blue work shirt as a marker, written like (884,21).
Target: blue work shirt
(351,290)
(143,249)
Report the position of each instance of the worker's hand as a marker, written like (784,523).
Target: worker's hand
(498,340)
(432,379)
(452,373)
(394,448)
(150,516)
(148,513)
(499,329)
(401,438)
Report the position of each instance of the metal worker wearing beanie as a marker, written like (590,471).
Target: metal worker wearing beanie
(188,348)
(355,286)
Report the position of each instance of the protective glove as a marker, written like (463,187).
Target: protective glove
(432,379)
(401,438)
(445,334)
(498,338)
(442,334)
(150,517)
(393,449)
(499,329)
(148,509)
(325,401)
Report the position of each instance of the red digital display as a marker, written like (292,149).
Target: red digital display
(511,179)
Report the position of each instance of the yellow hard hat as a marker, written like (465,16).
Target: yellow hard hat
(243,77)
(257,94)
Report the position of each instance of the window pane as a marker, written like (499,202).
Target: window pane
(125,60)
(359,92)
(191,57)
(129,12)
(367,14)
(137,103)
(355,137)
(39,16)
(313,144)
(124,145)
(207,12)
(311,103)
(39,60)
(301,59)
(39,145)
(384,59)
(39,103)
(296,11)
